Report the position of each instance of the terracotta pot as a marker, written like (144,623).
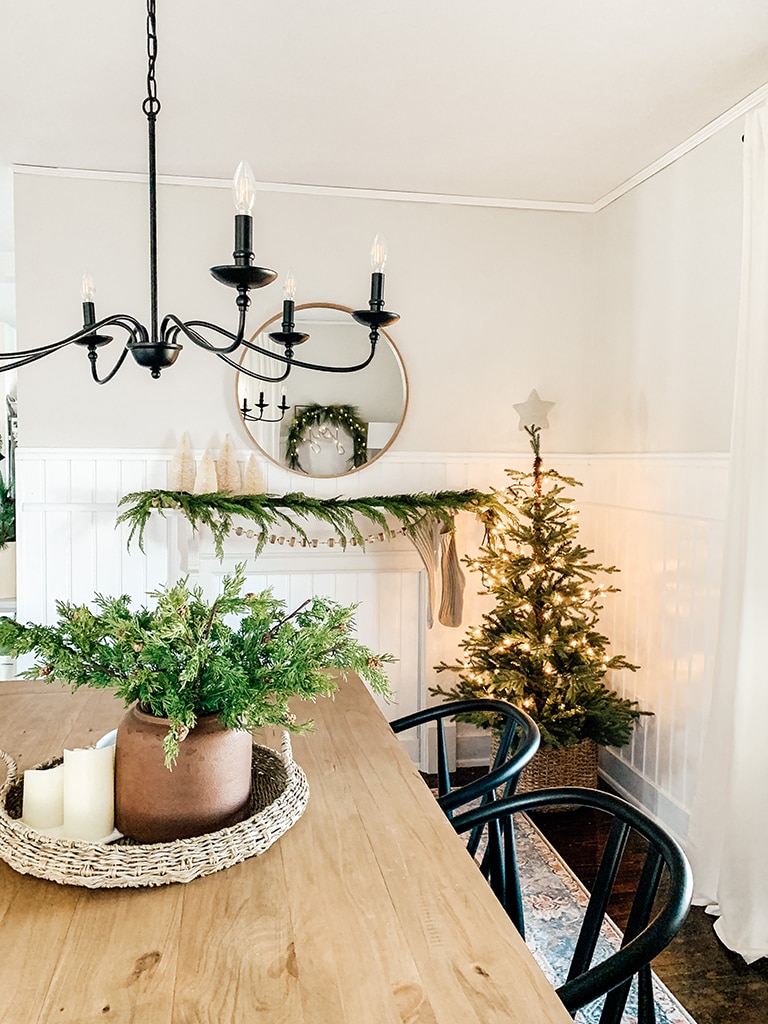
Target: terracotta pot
(208,788)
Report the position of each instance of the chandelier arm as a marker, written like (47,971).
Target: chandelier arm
(92,355)
(172,327)
(23,359)
(292,361)
(31,354)
(187,329)
(17,359)
(259,419)
(336,369)
(130,324)
(252,373)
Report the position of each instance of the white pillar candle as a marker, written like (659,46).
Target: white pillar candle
(89,793)
(43,797)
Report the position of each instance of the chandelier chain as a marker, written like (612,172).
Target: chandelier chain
(151,105)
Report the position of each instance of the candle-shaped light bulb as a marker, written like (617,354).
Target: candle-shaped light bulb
(88,293)
(88,288)
(378,254)
(244,185)
(289,287)
(378,259)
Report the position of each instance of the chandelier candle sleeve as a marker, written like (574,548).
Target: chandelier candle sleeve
(245,196)
(378,260)
(289,294)
(43,797)
(89,793)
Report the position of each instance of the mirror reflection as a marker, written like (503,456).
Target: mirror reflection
(324,424)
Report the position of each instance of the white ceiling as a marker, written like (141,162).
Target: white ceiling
(545,100)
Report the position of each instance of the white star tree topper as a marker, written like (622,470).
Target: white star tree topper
(533,412)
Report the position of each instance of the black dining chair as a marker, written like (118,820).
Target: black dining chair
(518,742)
(651,924)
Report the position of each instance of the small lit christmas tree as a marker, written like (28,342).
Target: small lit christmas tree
(539,647)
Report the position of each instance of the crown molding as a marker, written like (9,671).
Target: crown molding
(434,198)
(392,195)
(732,114)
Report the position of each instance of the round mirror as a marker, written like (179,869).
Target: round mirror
(320,423)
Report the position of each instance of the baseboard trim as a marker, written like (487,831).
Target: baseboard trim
(642,793)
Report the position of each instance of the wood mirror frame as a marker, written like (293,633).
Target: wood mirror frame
(379,393)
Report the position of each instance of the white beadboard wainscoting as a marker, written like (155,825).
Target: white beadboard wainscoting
(659,518)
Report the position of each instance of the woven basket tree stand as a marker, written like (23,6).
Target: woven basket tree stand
(553,767)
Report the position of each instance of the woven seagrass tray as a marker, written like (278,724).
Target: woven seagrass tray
(279,795)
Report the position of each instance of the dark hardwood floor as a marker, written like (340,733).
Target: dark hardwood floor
(712,983)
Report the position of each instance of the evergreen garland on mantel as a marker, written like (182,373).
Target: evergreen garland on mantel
(217,510)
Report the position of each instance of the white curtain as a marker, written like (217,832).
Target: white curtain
(728,837)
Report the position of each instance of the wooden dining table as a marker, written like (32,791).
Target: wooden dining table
(368,910)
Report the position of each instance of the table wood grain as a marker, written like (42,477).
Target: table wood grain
(368,910)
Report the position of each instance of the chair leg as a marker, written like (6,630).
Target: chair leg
(646,1004)
(443,773)
(615,1001)
(514,895)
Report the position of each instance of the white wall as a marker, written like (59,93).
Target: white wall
(667,263)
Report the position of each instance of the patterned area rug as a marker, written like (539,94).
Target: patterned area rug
(553,899)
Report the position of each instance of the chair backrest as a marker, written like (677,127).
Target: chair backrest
(651,924)
(518,742)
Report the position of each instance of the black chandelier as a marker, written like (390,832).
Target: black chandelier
(158,347)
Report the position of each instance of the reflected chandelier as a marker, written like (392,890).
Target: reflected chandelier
(158,348)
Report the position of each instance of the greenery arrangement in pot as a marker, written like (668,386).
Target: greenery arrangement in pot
(186,669)
(540,647)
